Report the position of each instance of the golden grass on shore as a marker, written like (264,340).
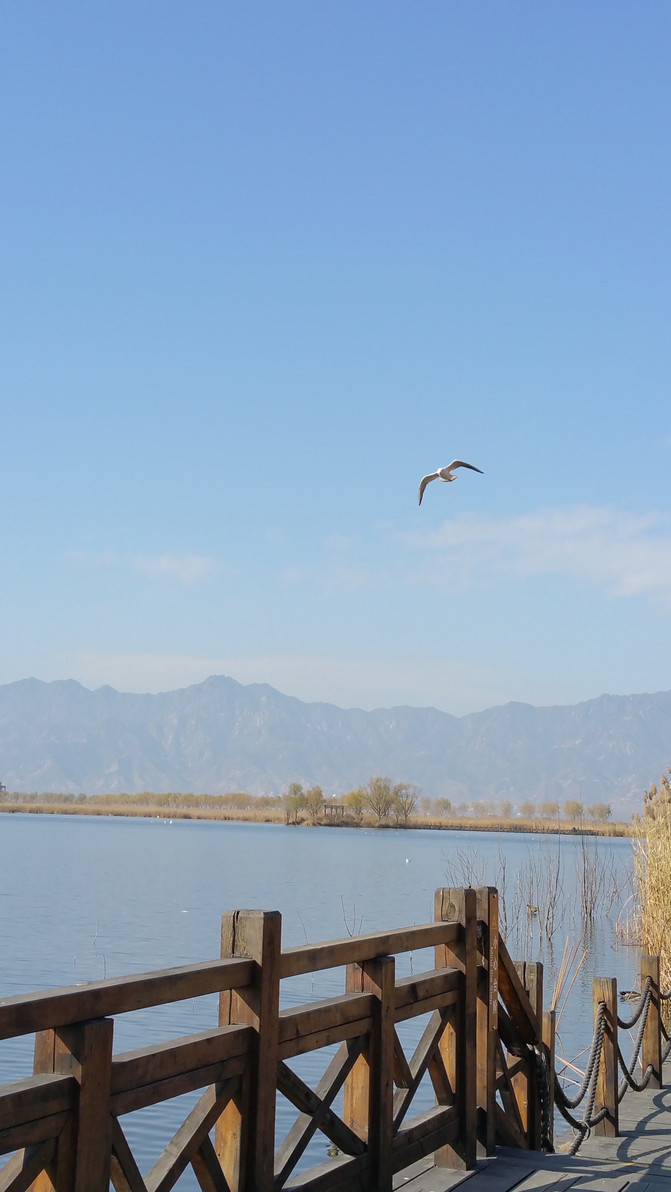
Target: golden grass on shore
(144,811)
(115,805)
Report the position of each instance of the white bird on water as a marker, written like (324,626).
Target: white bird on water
(445,474)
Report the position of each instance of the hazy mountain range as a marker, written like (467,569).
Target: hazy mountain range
(220,736)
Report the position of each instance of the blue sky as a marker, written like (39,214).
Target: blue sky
(263,266)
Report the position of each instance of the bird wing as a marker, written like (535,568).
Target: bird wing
(459,463)
(423,483)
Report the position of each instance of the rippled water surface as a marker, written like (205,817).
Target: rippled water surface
(83,898)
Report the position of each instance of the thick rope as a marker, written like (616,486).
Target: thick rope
(542,1060)
(594,1057)
(589,1084)
(628,1069)
(564,1103)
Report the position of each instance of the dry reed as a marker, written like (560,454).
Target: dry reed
(652,851)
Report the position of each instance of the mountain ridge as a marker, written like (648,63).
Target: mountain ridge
(221,735)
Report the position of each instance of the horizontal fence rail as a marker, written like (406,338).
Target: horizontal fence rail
(486,1045)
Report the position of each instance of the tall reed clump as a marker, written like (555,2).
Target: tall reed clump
(653,876)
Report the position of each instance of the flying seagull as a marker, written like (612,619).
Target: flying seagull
(445,474)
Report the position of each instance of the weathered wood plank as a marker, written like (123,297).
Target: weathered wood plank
(510,1099)
(524,1082)
(419,1064)
(87,1055)
(356,1093)
(148,1065)
(316,1113)
(175,1086)
(507,1125)
(187,1141)
(458,1046)
(549,1035)
(605,990)
(32,1133)
(311,958)
(23,1169)
(651,1050)
(124,1171)
(487,1015)
(422,1176)
(344,1174)
(402,1072)
(380,980)
(316,1024)
(207,1169)
(544,1181)
(489,1176)
(52,1056)
(50,1008)
(35,1097)
(414,992)
(257,935)
(516,999)
(424,1134)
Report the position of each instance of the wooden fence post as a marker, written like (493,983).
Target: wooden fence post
(525,1084)
(245,1133)
(458,1043)
(487,1014)
(369,1088)
(549,1032)
(82,1159)
(379,978)
(651,1051)
(605,990)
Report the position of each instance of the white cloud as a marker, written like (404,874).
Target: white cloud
(627,555)
(187,568)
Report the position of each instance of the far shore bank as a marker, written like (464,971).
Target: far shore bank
(268,816)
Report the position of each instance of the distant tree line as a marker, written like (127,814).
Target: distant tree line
(379,798)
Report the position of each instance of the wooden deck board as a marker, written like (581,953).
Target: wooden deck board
(638,1160)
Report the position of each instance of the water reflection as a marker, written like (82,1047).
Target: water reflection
(86,898)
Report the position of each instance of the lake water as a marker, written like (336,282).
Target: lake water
(83,898)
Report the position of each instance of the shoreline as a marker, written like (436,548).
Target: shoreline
(232,815)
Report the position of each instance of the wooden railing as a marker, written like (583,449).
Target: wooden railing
(487,1047)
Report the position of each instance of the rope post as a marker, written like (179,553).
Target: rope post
(605,992)
(651,1050)
(458,1042)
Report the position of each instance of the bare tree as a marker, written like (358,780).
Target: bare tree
(406,797)
(293,800)
(378,794)
(600,811)
(314,802)
(573,809)
(549,810)
(355,801)
(442,805)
